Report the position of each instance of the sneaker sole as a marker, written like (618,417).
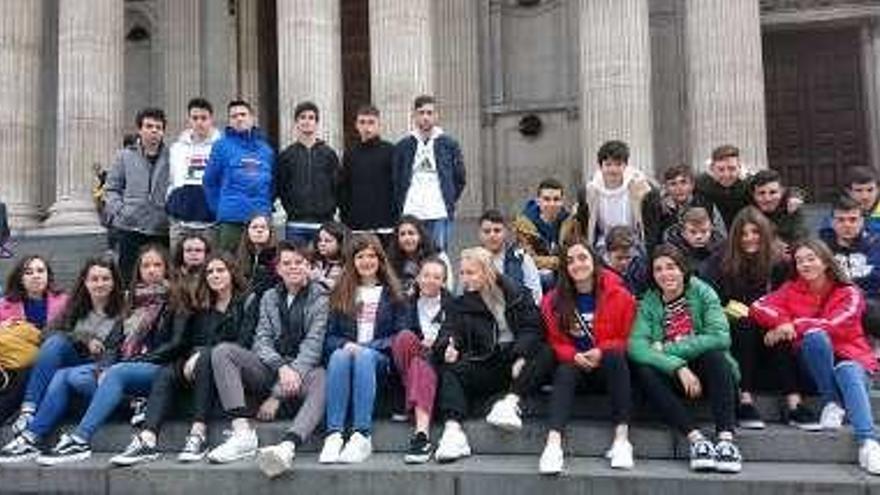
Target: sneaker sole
(131,461)
(54,461)
(703,465)
(453,458)
(245,455)
(271,465)
(807,426)
(18,458)
(550,472)
(625,466)
(728,467)
(416,458)
(511,427)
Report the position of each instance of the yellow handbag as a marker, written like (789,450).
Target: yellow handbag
(19,343)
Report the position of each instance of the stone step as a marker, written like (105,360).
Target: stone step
(583,438)
(385,474)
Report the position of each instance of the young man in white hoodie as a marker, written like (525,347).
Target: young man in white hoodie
(186,205)
(614,195)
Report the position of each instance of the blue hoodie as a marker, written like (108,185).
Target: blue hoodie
(861,261)
(238,178)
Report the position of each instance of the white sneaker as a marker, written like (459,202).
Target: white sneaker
(276,459)
(357,450)
(332,449)
(869,456)
(552,459)
(453,444)
(832,416)
(505,414)
(238,446)
(621,455)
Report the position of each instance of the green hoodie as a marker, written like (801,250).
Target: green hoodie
(711,331)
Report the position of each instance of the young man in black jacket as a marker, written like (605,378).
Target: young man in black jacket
(366,203)
(306,177)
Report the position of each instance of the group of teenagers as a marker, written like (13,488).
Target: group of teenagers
(696,287)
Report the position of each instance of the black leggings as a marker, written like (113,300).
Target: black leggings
(12,394)
(664,392)
(612,376)
(780,360)
(170,381)
(463,381)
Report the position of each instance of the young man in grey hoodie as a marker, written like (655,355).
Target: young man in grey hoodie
(135,190)
(284,365)
(186,204)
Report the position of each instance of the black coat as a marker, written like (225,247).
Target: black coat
(366,200)
(306,180)
(475,331)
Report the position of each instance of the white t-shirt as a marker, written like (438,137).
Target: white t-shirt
(614,208)
(428,308)
(424,199)
(367,300)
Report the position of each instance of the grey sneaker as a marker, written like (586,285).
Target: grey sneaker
(194,449)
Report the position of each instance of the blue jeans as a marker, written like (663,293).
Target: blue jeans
(79,379)
(56,352)
(300,234)
(440,231)
(352,377)
(844,383)
(120,380)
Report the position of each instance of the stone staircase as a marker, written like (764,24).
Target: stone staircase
(778,460)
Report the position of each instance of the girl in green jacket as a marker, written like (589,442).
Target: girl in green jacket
(679,345)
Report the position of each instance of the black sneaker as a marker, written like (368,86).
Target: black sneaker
(702,455)
(748,417)
(727,457)
(803,417)
(20,449)
(68,449)
(420,449)
(137,452)
(194,449)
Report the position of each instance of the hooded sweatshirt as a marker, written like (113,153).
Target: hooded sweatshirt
(186,195)
(619,206)
(540,239)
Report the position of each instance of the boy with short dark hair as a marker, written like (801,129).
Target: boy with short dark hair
(696,238)
(538,227)
(725,184)
(614,195)
(509,258)
(626,256)
(779,204)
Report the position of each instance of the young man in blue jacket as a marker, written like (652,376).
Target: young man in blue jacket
(857,250)
(428,174)
(238,179)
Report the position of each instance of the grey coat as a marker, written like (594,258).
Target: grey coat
(268,331)
(135,192)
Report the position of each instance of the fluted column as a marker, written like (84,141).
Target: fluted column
(725,79)
(90,71)
(182,24)
(249,53)
(615,56)
(458,89)
(401,59)
(310,64)
(21,36)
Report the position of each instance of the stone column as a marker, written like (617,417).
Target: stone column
(181,22)
(21,37)
(615,65)
(401,59)
(458,89)
(310,64)
(249,54)
(90,71)
(725,79)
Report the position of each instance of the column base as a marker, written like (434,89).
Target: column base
(73,216)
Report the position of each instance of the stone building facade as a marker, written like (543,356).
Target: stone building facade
(530,87)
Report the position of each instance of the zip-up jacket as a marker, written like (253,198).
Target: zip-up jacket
(306,181)
(612,320)
(838,313)
(135,191)
(296,340)
(238,180)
